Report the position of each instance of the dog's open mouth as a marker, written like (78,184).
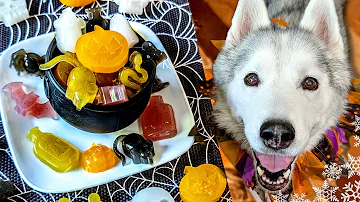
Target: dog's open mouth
(273,171)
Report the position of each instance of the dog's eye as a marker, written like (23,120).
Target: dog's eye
(310,83)
(251,79)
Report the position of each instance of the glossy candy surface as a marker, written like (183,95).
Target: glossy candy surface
(26,104)
(29,62)
(132,6)
(53,151)
(127,76)
(98,158)
(13,11)
(67,57)
(109,79)
(205,183)
(153,53)
(62,73)
(68,30)
(95,18)
(158,120)
(159,85)
(102,51)
(76,3)
(111,95)
(157,56)
(93,197)
(82,88)
(120,24)
(141,151)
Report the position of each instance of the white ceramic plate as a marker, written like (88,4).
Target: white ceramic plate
(40,177)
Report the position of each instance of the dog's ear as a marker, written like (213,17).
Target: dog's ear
(249,15)
(320,17)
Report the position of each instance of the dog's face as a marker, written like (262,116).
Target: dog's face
(285,86)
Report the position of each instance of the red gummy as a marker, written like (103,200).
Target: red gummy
(158,120)
(111,95)
(26,104)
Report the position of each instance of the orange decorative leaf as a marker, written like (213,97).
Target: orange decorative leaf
(280,21)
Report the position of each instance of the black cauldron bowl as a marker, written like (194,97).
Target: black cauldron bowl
(94,118)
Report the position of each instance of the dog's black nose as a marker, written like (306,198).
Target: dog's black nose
(277,134)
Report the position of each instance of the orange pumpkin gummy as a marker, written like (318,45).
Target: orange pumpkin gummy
(102,51)
(98,158)
(76,3)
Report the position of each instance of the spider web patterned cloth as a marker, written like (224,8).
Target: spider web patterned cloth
(172,23)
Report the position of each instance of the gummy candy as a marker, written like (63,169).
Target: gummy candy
(119,24)
(102,51)
(111,95)
(106,79)
(62,73)
(205,183)
(53,151)
(12,12)
(26,104)
(98,158)
(68,30)
(95,18)
(132,6)
(82,88)
(67,57)
(136,60)
(153,53)
(158,120)
(141,151)
(29,62)
(94,197)
(159,85)
(76,3)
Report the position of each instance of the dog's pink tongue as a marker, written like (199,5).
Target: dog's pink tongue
(274,163)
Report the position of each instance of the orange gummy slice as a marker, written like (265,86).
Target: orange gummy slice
(205,183)
(102,51)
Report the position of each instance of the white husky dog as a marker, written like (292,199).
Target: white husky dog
(280,89)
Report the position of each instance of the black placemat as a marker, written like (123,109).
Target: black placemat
(172,22)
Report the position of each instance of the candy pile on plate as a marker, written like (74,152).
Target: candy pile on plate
(61,156)
(93,67)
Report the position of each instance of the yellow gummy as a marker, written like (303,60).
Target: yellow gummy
(53,151)
(205,183)
(94,197)
(67,57)
(133,73)
(82,88)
